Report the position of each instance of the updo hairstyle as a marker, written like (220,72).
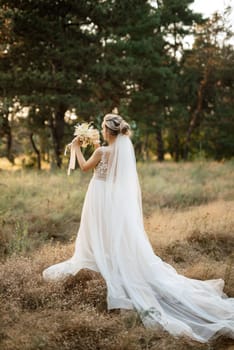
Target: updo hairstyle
(115,124)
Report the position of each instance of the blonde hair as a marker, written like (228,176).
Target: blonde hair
(116,124)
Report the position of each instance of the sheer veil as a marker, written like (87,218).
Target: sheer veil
(139,279)
(128,246)
(123,194)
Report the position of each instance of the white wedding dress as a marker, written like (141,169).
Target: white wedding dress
(111,240)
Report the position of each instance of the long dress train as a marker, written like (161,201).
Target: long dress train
(111,240)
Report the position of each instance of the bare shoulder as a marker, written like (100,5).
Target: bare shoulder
(105,149)
(102,150)
(98,152)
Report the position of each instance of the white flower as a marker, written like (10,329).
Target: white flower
(87,134)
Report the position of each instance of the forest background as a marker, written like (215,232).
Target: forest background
(65,62)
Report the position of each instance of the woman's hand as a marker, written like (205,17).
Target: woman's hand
(77,141)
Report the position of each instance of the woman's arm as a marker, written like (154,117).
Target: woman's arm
(86,165)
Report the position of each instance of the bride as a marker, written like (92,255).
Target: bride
(111,240)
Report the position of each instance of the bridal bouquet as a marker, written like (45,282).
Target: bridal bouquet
(86,134)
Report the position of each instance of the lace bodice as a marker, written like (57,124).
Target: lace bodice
(100,171)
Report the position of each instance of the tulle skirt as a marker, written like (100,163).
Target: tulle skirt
(138,279)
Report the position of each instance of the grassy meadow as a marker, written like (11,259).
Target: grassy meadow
(188,213)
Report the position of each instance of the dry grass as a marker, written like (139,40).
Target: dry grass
(197,240)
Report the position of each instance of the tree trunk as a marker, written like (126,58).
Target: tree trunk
(10,156)
(160,144)
(7,131)
(177,147)
(57,125)
(195,117)
(145,149)
(38,153)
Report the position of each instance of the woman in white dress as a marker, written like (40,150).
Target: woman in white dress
(111,240)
